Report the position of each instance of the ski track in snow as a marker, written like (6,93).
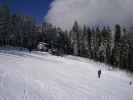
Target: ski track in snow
(41,76)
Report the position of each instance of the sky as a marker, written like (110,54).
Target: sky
(36,8)
(63,13)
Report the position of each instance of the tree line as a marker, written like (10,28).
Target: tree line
(100,43)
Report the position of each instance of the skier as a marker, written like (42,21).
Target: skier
(130,83)
(99,73)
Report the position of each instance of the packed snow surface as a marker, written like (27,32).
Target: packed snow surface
(41,76)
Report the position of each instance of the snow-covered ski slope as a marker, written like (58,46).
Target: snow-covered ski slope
(41,76)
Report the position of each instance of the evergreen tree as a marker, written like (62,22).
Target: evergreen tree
(124,53)
(4,24)
(83,42)
(93,44)
(97,42)
(67,46)
(109,45)
(117,33)
(75,37)
(88,36)
(115,57)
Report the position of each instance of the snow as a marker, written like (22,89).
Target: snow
(41,76)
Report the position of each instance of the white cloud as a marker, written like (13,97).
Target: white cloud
(63,13)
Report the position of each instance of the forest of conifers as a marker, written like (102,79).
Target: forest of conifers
(110,45)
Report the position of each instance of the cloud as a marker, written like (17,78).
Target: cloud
(63,13)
